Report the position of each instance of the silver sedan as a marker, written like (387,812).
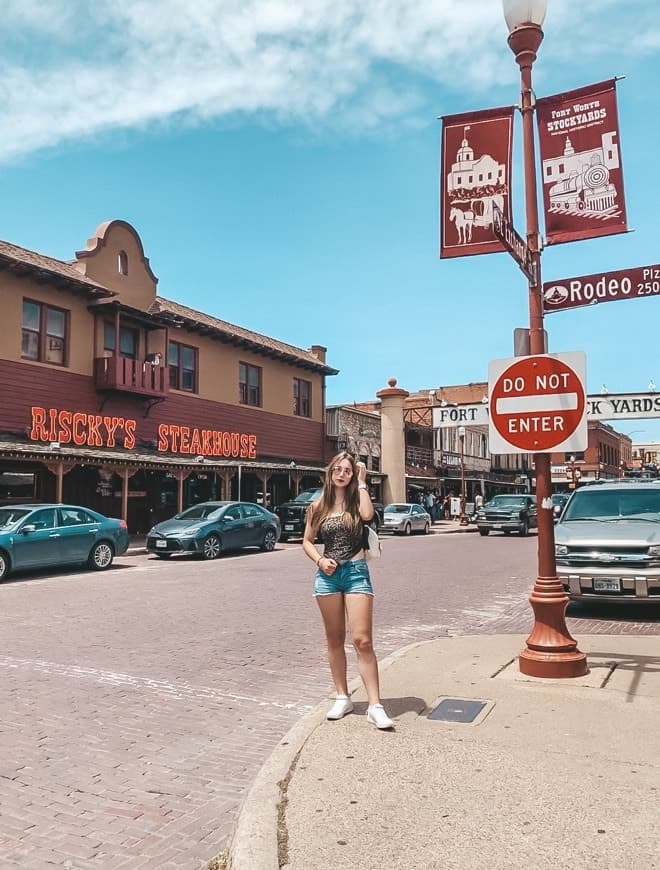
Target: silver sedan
(404,519)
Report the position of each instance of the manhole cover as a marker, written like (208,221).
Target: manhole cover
(457,710)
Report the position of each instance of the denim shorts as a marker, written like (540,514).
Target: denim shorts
(352,576)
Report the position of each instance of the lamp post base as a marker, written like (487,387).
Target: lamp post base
(551,651)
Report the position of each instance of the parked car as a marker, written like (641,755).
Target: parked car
(607,542)
(507,513)
(210,527)
(293,514)
(404,519)
(559,500)
(50,535)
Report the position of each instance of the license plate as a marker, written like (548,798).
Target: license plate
(288,528)
(497,526)
(607,584)
(161,544)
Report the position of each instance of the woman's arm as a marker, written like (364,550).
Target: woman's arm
(325,564)
(365,504)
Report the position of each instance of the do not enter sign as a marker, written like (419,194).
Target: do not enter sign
(538,404)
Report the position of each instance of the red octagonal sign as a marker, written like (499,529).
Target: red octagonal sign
(538,404)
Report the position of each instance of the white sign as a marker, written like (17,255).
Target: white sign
(460,415)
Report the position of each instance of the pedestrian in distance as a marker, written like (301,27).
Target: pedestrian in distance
(342,584)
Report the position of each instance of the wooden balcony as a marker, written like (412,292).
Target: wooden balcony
(130,376)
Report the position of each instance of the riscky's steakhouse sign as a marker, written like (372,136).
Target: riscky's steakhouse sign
(103,430)
(638,283)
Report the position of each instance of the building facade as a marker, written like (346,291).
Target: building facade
(114,397)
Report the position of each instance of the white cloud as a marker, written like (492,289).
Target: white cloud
(72,69)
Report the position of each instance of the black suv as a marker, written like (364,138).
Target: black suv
(507,513)
(292,514)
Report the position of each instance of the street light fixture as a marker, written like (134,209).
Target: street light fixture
(463,519)
(550,651)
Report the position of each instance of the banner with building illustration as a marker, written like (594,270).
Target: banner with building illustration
(475,173)
(581,164)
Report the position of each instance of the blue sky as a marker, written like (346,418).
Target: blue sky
(280,161)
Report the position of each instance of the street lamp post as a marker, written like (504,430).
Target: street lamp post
(574,474)
(550,651)
(463,519)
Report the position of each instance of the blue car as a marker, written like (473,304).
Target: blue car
(50,535)
(210,527)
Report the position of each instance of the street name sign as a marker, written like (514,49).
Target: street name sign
(636,283)
(538,404)
(514,243)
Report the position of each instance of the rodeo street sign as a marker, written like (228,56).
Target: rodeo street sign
(636,283)
(514,244)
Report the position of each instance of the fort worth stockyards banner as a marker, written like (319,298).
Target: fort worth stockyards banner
(581,164)
(475,173)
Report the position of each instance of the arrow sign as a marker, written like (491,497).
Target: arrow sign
(514,244)
(538,404)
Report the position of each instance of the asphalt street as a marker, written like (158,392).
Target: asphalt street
(139,704)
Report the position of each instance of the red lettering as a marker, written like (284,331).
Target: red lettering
(217,443)
(207,446)
(252,441)
(129,434)
(245,447)
(184,446)
(93,435)
(79,434)
(64,422)
(174,436)
(235,443)
(38,431)
(195,445)
(226,444)
(111,425)
(52,416)
(162,437)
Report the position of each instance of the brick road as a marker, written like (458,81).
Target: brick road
(137,705)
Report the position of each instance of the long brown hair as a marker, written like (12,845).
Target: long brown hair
(323,506)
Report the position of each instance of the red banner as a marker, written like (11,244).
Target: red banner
(475,173)
(581,164)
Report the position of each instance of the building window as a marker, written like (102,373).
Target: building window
(302,391)
(122,263)
(249,384)
(44,333)
(182,362)
(128,340)
(375,463)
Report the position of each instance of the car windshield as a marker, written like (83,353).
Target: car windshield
(507,501)
(613,504)
(10,516)
(307,496)
(397,509)
(200,512)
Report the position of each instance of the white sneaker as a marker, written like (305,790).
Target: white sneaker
(340,708)
(377,716)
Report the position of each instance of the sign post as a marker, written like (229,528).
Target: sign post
(514,244)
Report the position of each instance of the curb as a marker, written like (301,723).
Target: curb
(254,842)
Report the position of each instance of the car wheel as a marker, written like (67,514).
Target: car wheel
(408,529)
(4,565)
(484,532)
(211,548)
(270,539)
(524,529)
(101,556)
(426,528)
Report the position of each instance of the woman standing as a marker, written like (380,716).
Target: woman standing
(343,587)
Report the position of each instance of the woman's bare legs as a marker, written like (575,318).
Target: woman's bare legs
(359,609)
(334,620)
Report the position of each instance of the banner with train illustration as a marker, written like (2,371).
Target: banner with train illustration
(581,169)
(475,174)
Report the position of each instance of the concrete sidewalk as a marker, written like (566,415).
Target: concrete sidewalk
(551,773)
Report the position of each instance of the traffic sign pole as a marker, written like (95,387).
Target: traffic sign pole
(551,651)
